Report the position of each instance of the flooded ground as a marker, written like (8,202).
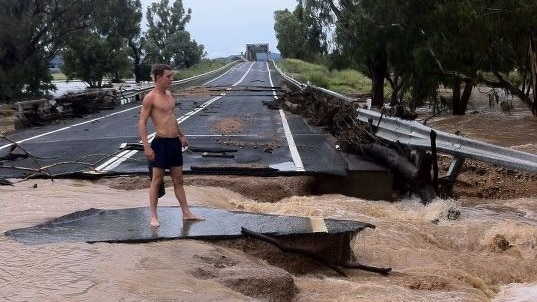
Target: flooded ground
(487,254)
(76,86)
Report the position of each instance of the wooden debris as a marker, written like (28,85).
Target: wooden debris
(315,256)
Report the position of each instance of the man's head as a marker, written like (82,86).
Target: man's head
(160,70)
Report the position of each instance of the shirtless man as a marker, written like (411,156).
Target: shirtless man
(164,152)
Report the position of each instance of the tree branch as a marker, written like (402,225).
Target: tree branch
(331,264)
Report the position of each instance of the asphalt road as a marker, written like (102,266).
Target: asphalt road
(230,130)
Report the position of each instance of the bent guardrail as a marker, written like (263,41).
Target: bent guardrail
(416,136)
(289,79)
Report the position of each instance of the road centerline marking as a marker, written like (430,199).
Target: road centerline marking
(299,166)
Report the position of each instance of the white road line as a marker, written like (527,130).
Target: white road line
(207,83)
(68,127)
(297,160)
(291,142)
(318,225)
(115,160)
(244,76)
(271,83)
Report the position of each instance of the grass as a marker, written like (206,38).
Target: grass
(200,68)
(348,81)
(58,76)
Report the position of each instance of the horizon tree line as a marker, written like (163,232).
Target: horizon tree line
(98,40)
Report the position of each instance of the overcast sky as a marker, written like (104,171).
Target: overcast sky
(225,27)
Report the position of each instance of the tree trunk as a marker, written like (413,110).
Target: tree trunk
(379,69)
(533,63)
(136,61)
(456,98)
(466,94)
(391,159)
(396,88)
(459,102)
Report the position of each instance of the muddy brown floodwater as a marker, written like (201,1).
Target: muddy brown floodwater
(488,254)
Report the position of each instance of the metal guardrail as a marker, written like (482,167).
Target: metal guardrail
(288,78)
(417,137)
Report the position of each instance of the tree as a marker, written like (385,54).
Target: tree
(101,50)
(32,32)
(511,29)
(291,42)
(91,58)
(418,45)
(129,28)
(300,34)
(462,62)
(361,35)
(167,40)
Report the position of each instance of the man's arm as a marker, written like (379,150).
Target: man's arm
(182,136)
(145,113)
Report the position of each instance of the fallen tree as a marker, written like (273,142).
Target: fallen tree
(337,116)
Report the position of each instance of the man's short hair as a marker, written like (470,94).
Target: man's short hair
(158,70)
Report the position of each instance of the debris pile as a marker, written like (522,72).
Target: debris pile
(337,116)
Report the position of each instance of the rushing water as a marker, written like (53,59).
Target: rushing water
(433,258)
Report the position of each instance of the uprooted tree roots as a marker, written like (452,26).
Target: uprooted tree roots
(338,117)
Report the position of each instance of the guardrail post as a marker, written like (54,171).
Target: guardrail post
(420,153)
(453,171)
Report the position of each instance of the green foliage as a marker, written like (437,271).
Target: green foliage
(348,81)
(99,39)
(293,66)
(58,76)
(91,58)
(419,45)
(100,51)
(299,34)
(31,33)
(290,35)
(167,40)
(202,67)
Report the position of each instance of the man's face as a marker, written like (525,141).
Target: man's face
(166,78)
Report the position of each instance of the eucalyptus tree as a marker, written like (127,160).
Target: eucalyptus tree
(166,40)
(290,35)
(512,28)
(32,32)
(419,45)
(458,41)
(363,32)
(130,29)
(100,51)
(301,34)
(468,39)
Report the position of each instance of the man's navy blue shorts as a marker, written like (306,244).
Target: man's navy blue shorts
(168,152)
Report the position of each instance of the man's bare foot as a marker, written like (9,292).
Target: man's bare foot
(192,217)
(154,222)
